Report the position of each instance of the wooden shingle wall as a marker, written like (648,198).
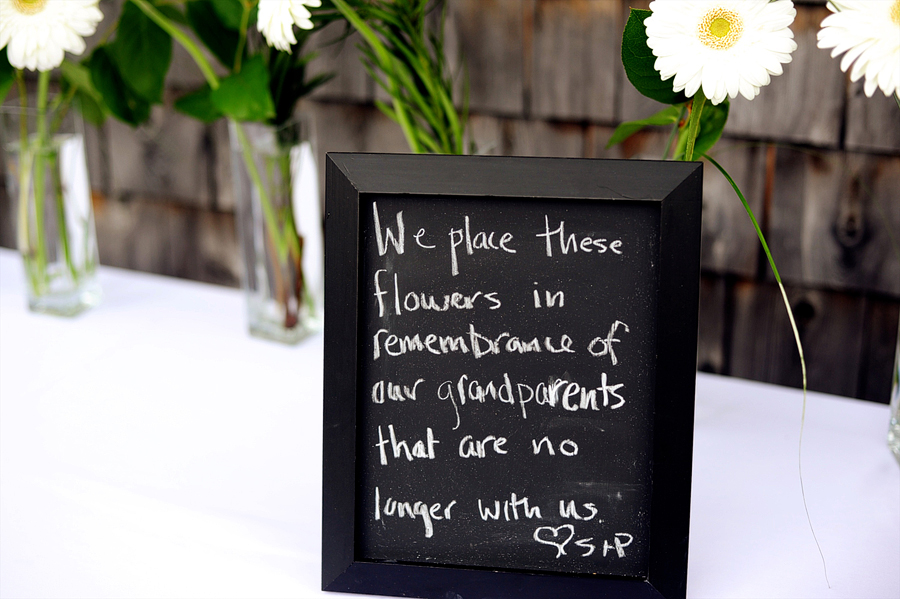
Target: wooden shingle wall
(818,161)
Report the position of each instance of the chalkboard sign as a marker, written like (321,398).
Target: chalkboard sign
(510,349)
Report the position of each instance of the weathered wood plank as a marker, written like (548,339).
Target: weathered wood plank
(576,57)
(541,138)
(168,239)
(648,144)
(165,158)
(218,154)
(490,35)
(831,328)
(632,105)
(832,218)
(711,355)
(730,244)
(879,347)
(486,133)
(351,83)
(351,128)
(805,104)
(215,246)
(96,146)
(348,128)
(873,124)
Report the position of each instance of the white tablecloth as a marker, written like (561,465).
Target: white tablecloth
(151,448)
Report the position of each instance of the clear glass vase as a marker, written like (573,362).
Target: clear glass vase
(894,426)
(279,228)
(47,179)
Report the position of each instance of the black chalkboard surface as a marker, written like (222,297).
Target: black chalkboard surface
(510,348)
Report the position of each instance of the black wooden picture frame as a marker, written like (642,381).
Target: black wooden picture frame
(673,190)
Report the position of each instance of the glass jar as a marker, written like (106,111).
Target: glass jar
(279,228)
(47,179)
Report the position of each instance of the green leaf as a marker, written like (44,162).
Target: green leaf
(666,116)
(120,100)
(7,75)
(229,13)
(638,60)
(712,123)
(221,41)
(198,104)
(142,51)
(89,100)
(245,96)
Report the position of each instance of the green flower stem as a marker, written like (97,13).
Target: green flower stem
(60,108)
(23,104)
(268,211)
(25,163)
(188,44)
(694,124)
(675,127)
(40,148)
(290,225)
(790,313)
(294,259)
(61,216)
(242,40)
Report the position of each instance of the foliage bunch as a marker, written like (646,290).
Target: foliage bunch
(407,60)
(261,84)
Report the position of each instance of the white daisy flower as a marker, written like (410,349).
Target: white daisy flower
(37,33)
(869,32)
(276,20)
(724,46)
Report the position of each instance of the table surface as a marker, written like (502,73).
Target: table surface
(151,448)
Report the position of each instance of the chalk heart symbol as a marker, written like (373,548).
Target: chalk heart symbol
(555,537)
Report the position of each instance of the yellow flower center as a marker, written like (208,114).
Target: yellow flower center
(895,12)
(721,28)
(29,7)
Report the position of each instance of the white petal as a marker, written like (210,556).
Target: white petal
(693,85)
(748,90)
(870,87)
(15,53)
